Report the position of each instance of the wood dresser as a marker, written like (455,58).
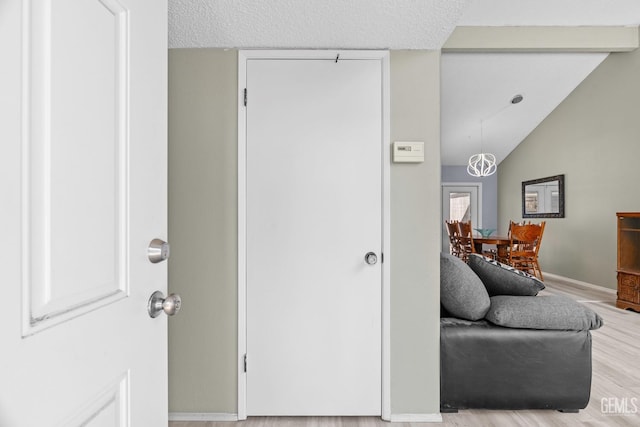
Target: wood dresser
(628,261)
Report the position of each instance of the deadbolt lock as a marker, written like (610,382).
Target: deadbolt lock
(158,251)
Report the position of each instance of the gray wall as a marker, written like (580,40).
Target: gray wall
(203,229)
(415,236)
(203,224)
(489,192)
(593,138)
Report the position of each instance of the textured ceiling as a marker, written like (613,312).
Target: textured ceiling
(361,24)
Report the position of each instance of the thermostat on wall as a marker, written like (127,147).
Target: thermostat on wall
(408,152)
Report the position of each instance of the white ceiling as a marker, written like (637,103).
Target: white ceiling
(496,13)
(313,24)
(475,86)
(479,86)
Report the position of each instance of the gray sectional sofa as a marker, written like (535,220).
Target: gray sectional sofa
(504,347)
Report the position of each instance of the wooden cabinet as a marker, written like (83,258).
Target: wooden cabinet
(628,260)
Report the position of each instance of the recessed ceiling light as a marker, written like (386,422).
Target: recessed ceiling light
(516,99)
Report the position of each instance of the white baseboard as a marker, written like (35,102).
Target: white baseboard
(570,281)
(198,416)
(416,418)
(207,416)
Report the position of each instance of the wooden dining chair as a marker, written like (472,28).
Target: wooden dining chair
(466,240)
(524,245)
(454,234)
(502,252)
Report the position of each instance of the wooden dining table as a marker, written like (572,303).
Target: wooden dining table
(501,242)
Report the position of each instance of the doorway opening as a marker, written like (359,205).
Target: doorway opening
(460,202)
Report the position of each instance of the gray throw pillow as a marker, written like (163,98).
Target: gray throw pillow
(544,312)
(461,292)
(502,279)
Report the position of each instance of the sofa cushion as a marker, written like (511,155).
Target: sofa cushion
(544,312)
(502,279)
(461,292)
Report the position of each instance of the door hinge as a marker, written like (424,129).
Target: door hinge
(245,363)
(381,257)
(245,96)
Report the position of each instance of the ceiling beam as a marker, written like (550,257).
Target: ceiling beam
(543,39)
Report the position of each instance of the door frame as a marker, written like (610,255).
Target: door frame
(478,186)
(383,57)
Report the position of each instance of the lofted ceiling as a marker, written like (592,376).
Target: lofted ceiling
(476,86)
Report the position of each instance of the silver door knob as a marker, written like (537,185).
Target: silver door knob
(371,258)
(158,303)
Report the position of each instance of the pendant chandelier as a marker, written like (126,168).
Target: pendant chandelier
(482,164)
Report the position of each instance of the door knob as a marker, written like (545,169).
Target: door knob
(371,258)
(158,303)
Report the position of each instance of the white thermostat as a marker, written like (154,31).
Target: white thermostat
(408,152)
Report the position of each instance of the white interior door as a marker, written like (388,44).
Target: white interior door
(83,190)
(314,209)
(460,202)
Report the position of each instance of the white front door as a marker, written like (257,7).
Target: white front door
(313,211)
(460,202)
(83,192)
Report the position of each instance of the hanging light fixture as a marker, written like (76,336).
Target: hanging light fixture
(482,164)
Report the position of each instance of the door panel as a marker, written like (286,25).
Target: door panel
(314,209)
(76,150)
(83,164)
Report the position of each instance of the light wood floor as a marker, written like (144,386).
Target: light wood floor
(616,375)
